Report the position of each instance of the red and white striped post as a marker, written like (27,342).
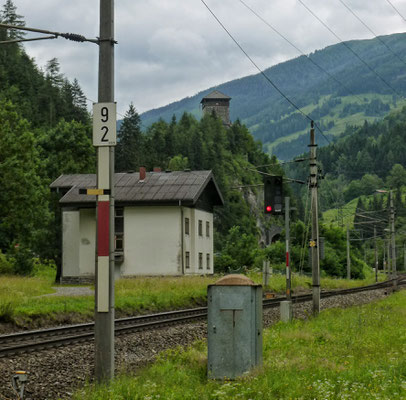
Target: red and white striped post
(104,138)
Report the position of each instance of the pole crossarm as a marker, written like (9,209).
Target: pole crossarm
(69,36)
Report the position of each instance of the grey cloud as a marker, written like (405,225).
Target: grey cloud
(169,49)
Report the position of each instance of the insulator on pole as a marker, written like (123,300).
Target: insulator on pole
(74,37)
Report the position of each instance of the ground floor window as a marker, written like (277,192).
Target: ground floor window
(187,260)
(200,260)
(208,261)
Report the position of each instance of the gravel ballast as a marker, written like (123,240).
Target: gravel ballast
(57,373)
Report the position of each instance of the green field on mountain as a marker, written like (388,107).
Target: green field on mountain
(344,92)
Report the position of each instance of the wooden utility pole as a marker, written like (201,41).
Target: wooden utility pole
(314,243)
(348,254)
(104,309)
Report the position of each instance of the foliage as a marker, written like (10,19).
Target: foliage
(65,135)
(396,177)
(355,353)
(178,163)
(8,15)
(44,131)
(129,147)
(6,265)
(24,211)
(240,250)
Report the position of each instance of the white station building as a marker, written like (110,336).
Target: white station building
(163,224)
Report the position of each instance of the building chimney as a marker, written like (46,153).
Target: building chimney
(157,169)
(142,174)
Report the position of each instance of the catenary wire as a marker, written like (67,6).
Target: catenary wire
(349,48)
(266,76)
(254,63)
(388,1)
(300,51)
(370,30)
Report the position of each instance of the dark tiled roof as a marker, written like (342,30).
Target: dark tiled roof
(158,187)
(216,95)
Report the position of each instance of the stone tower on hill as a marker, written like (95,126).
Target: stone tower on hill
(219,103)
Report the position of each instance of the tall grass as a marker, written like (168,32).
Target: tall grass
(15,291)
(22,296)
(356,353)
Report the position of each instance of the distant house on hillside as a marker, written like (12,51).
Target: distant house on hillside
(219,103)
(163,224)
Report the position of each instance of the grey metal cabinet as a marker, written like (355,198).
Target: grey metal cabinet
(234,327)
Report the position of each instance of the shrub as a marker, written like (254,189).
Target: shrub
(6,311)
(6,265)
(23,260)
(223,263)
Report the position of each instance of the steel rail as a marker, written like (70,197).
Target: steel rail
(54,337)
(22,342)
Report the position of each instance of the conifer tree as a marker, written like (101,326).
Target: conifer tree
(24,211)
(8,15)
(129,142)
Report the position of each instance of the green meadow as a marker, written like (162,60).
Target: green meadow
(354,353)
(25,301)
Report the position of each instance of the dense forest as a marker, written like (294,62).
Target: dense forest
(331,85)
(45,131)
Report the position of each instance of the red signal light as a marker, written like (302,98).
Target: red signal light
(268,208)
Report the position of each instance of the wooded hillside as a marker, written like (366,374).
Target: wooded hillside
(347,94)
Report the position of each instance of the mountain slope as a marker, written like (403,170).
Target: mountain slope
(270,118)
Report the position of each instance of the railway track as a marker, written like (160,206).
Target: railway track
(30,341)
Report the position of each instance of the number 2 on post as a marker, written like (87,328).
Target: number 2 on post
(106,130)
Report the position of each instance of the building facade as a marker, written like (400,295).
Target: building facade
(163,224)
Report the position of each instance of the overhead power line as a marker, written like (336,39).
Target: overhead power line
(349,48)
(255,64)
(396,10)
(366,26)
(300,51)
(264,75)
(283,163)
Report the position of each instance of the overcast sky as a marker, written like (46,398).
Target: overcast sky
(170,49)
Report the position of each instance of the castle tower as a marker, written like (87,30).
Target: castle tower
(219,103)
